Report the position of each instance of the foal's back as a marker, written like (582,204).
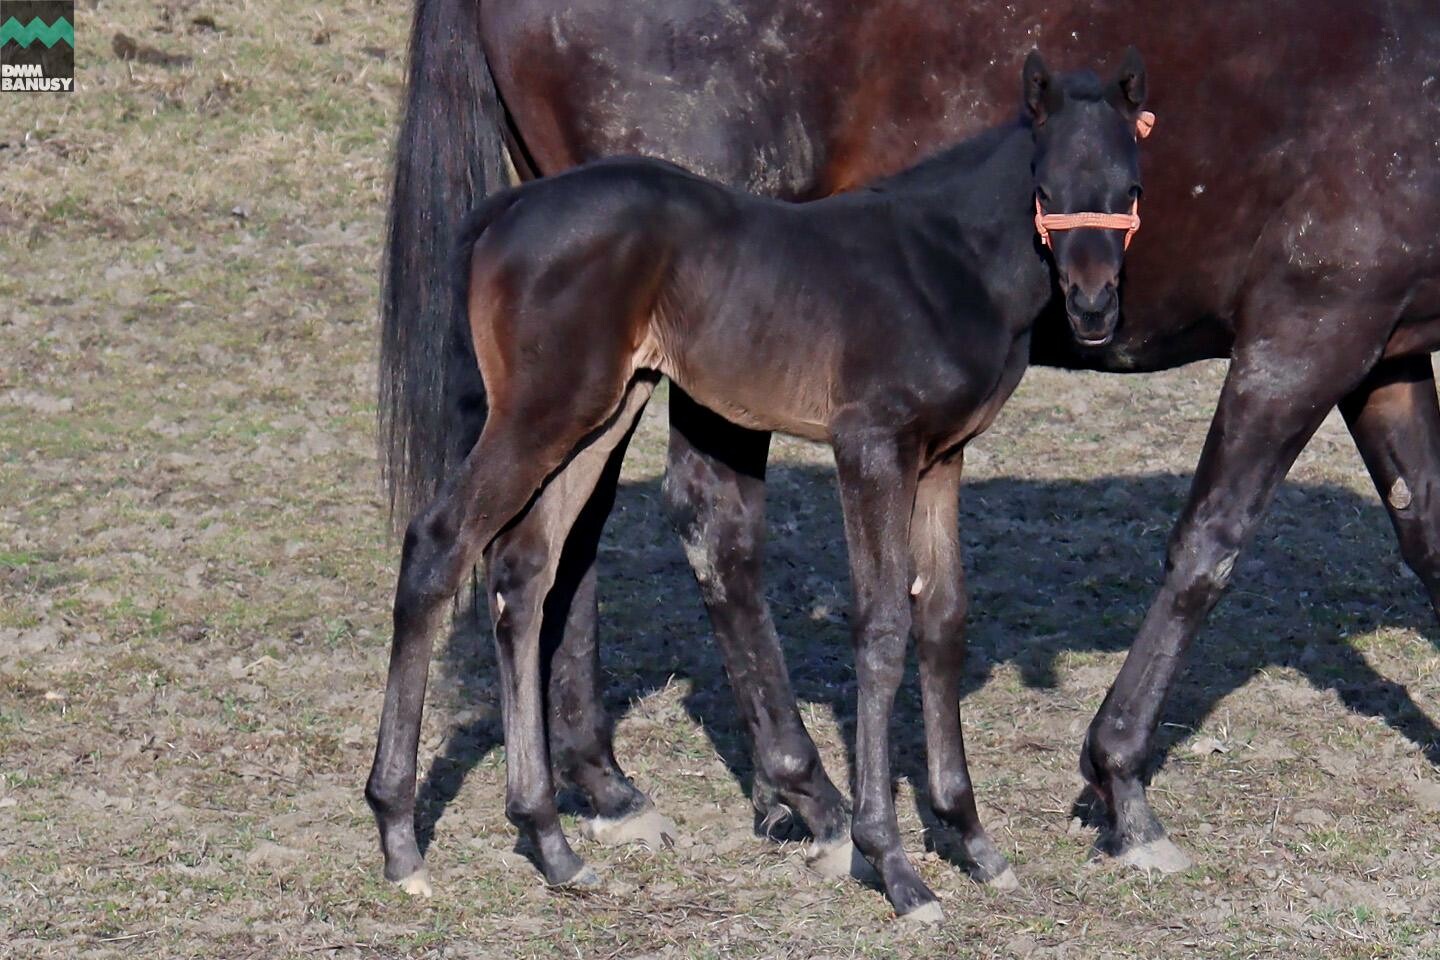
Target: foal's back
(775,315)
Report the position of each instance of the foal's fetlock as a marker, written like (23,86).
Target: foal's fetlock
(403,863)
(908,894)
(986,864)
(559,864)
(565,868)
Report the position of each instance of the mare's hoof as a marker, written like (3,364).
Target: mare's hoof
(649,826)
(927,914)
(417,884)
(1159,856)
(838,861)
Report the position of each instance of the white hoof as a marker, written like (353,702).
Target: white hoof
(1005,881)
(650,827)
(417,884)
(1160,856)
(839,861)
(584,878)
(929,915)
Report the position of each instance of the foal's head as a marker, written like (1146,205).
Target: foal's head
(1087,161)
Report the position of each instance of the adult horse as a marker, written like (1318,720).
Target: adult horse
(1297,181)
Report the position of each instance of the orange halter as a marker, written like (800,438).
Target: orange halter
(1129,222)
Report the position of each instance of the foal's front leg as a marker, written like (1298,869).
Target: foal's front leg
(877,474)
(938,593)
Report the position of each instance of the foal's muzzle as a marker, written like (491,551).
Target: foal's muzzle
(1093,315)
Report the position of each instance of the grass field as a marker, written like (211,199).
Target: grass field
(195,574)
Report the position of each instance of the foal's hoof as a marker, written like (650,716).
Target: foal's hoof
(927,914)
(1159,856)
(839,861)
(649,826)
(583,879)
(987,865)
(1005,881)
(417,884)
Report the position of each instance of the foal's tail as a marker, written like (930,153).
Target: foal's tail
(449,154)
(475,224)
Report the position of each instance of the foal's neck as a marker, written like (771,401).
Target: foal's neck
(976,204)
(990,195)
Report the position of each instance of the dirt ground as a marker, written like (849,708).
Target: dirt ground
(195,574)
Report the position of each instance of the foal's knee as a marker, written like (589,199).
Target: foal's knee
(880,639)
(940,624)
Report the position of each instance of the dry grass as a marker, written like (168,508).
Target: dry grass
(195,577)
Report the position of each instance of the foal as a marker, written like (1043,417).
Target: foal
(891,323)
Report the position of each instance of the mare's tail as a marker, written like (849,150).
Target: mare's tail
(449,155)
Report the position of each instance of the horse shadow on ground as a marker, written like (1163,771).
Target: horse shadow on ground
(1054,567)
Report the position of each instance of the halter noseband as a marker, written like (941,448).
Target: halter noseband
(1129,222)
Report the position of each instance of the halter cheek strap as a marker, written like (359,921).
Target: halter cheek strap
(1045,223)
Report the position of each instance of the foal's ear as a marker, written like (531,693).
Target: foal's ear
(1128,92)
(1041,94)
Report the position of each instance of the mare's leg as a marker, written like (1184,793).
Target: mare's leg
(522,564)
(1395,420)
(715,495)
(939,602)
(530,433)
(1276,394)
(877,474)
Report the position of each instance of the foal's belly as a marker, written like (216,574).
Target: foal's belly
(795,381)
(753,389)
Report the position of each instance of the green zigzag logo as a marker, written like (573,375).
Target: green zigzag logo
(37,29)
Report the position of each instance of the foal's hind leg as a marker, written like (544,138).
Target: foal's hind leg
(1395,420)
(525,439)
(522,565)
(877,490)
(939,601)
(581,750)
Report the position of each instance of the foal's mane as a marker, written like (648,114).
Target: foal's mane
(942,167)
(1080,86)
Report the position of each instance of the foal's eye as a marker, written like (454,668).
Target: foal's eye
(1042,193)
